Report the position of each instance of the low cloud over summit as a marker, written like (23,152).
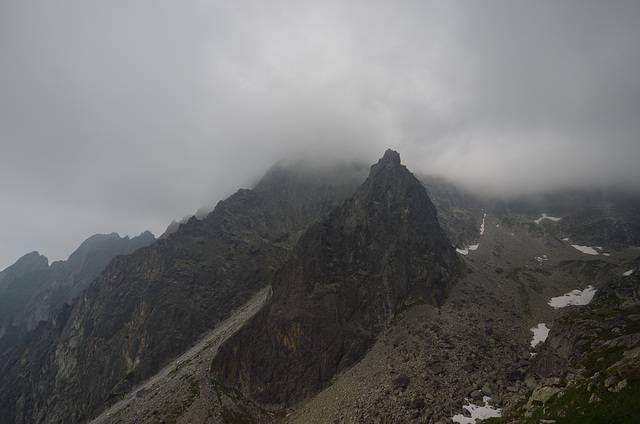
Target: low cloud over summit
(120,117)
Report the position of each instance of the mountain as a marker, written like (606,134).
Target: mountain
(147,307)
(430,363)
(350,272)
(347,325)
(31,288)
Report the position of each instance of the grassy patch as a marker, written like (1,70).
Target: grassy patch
(404,308)
(572,407)
(230,416)
(177,369)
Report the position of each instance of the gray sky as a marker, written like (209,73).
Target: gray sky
(122,115)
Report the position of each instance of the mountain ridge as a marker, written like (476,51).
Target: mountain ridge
(147,307)
(428,360)
(32,289)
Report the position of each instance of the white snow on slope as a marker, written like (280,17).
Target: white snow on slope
(628,273)
(585,249)
(478,412)
(575,297)
(544,216)
(540,334)
(465,251)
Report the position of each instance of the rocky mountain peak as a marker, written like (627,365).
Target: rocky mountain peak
(33,261)
(30,261)
(349,273)
(390,160)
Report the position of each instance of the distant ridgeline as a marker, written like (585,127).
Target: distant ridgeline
(31,289)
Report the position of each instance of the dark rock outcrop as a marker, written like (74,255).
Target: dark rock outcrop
(350,272)
(148,307)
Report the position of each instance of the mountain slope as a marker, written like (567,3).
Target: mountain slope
(588,369)
(148,307)
(428,362)
(350,272)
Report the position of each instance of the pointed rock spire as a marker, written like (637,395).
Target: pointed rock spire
(390,160)
(347,276)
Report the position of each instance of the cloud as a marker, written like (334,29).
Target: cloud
(120,116)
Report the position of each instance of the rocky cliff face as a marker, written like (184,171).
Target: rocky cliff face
(348,275)
(33,292)
(148,307)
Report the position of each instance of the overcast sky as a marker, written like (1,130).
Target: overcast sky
(123,115)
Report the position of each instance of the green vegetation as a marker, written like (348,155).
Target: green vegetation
(229,416)
(578,405)
(177,369)
(234,406)
(404,308)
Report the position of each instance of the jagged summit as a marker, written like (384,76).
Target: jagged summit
(390,160)
(347,276)
(27,263)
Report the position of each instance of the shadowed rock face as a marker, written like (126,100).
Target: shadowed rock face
(349,273)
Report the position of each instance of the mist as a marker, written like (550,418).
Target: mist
(121,116)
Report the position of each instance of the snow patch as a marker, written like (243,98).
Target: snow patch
(478,412)
(540,334)
(466,250)
(575,297)
(585,249)
(565,239)
(544,216)
(628,273)
(541,258)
